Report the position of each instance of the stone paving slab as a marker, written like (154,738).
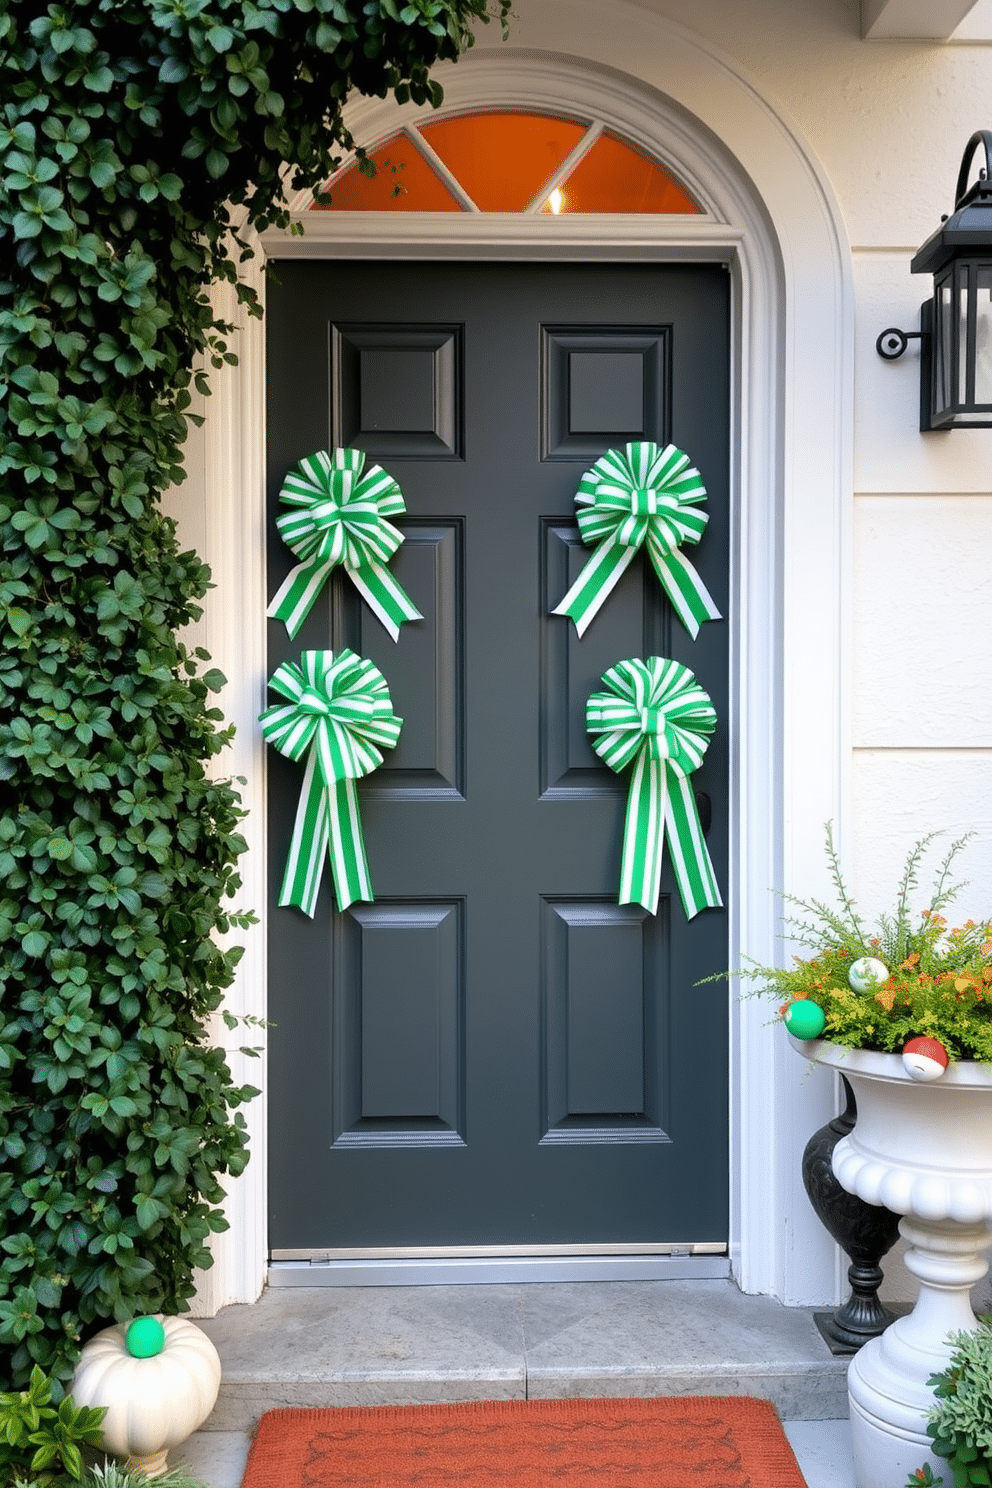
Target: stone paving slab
(408,1345)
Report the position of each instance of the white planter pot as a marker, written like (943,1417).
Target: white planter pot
(923,1150)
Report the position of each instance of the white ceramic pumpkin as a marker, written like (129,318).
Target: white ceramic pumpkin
(155,1402)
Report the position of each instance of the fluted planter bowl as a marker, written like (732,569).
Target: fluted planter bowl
(924,1150)
(153,1403)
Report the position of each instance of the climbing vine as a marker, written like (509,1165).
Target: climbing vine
(140,140)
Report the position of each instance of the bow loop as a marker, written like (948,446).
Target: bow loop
(643,496)
(657,717)
(339,515)
(341,717)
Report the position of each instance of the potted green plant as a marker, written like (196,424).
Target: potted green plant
(961,1423)
(903,1010)
(913,977)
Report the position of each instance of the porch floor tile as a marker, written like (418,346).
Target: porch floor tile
(397,1345)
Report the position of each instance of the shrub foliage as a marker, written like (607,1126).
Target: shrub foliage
(139,140)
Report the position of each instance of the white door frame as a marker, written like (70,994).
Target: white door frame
(770,215)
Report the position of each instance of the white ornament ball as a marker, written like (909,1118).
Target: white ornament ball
(866,973)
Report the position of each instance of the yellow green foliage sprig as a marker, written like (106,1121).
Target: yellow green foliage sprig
(940,978)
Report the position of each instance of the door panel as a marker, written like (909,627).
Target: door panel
(495,1052)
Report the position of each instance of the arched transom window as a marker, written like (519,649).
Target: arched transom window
(507,162)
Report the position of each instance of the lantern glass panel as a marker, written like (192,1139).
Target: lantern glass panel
(963,388)
(983,335)
(944,357)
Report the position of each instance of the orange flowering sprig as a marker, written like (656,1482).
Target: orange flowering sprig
(939,982)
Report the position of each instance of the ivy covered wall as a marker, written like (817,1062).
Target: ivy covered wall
(135,135)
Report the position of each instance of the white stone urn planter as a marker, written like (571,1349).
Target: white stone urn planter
(924,1150)
(158,1379)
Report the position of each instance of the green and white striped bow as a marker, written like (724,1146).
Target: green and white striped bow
(341,516)
(642,496)
(657,716)
(339,714)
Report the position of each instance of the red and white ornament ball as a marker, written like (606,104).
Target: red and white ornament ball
(924,1058)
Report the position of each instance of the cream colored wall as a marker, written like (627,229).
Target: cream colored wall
(888,122)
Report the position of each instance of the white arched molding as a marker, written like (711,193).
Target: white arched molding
(769,214)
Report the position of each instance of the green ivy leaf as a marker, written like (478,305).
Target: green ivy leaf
(220,38)
(100,80)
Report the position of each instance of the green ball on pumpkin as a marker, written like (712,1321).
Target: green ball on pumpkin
(145,1338)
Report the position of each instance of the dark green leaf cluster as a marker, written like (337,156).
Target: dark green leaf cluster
(138,138)
(961,1423)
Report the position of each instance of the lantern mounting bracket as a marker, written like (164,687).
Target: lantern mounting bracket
(893,342)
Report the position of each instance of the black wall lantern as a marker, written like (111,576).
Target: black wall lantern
(956,325)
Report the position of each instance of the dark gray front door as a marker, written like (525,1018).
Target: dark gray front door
(494,1052)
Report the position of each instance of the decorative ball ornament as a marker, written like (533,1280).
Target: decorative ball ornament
(144,1338)
(805,1019)
(866,973)
(924,1058)
(154,1401)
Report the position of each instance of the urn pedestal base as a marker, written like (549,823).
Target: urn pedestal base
(924,1151)
(889,1396)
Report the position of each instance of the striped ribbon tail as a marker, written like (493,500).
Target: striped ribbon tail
(338,719)
(644,834)
(687,848)
(327,821)
(346,846)
(296,596)
(689,596)
(595,583)
(656,718)
(384,596)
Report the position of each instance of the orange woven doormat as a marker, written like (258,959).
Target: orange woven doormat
(710,1441)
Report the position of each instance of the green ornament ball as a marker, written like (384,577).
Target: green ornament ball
(805,1019)
(145,1338)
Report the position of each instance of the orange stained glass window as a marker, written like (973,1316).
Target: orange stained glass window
(614,177)
(404,183)
(503,160)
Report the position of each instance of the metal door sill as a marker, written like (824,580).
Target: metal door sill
(477,1266)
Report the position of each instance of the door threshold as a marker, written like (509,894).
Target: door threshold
(480,1266)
